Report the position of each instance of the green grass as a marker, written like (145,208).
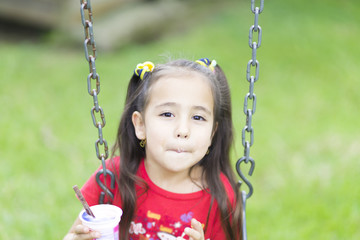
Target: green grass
(307,135)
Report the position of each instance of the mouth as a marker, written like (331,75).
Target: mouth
(179,150)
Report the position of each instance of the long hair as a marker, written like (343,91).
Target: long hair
(214,163)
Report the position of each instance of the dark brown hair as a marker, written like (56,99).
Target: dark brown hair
(214,163)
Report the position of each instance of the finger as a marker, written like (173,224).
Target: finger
(87,236)
(196,231)
(81,229)
(82,233)
(74,236)
(193,234)
(195,224)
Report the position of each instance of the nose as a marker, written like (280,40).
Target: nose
(182,130)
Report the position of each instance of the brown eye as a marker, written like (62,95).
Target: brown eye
(167,114)
(199,118)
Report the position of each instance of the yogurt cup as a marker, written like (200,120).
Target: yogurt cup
(106,221)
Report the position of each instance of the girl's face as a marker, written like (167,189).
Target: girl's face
(178,122)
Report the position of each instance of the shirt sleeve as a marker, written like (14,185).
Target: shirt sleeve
(91,189)
(229,190)
(218,231)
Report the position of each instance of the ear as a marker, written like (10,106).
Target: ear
(139,125)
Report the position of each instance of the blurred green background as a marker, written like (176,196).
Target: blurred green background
(307,136)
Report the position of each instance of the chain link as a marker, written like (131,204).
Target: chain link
(250,97)
(96,110)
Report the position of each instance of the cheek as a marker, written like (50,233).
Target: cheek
(156,135)
(209,141)
(205,139)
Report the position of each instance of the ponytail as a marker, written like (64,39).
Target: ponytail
(130,151)
(218,160)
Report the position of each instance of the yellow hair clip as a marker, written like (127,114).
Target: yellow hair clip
(206,63)
(213,65)
(143,68)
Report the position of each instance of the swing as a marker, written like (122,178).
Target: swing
(97,112)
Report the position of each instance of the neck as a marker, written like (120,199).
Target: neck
(176,182)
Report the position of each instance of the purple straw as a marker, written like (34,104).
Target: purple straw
(83,201)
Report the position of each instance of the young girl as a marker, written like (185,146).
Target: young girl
(174,177)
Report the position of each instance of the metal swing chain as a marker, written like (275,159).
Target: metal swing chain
(249,112)
(96,110)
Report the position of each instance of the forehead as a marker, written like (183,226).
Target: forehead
(188,88)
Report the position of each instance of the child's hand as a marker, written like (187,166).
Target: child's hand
(196,232)
(81,232)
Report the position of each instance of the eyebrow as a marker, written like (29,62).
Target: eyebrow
(201,108)
(173,104)
(167,104)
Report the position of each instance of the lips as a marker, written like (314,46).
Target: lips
(179,150)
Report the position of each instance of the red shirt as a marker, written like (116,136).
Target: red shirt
(163,215)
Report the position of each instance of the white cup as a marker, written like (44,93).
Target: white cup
(106,221)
